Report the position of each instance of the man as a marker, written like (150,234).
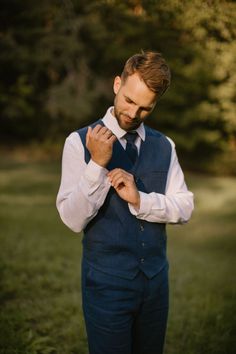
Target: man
(121,183)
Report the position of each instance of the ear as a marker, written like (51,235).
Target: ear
(116,84)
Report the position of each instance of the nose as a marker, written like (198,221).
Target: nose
(133,112)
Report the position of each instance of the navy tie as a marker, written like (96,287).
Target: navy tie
(131,148)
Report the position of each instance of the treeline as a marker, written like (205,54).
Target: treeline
(58,60)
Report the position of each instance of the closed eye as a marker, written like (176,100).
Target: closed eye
(147,109)
(128,100)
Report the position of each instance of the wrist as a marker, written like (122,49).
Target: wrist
(136,203)
(99,162)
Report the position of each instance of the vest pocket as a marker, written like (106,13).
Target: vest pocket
(154,181)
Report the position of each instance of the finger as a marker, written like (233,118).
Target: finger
(96,129)
(107,134)
(104,134)
(118,181)
(104,130)
(112,139)
(121,177)
(112,173)
(115,176)
(101,133)
(88,134)
(117,171)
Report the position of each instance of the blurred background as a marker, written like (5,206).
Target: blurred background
(58,60)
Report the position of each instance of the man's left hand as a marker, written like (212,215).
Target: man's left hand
(125,186)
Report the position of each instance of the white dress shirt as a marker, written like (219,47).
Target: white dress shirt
(84,187)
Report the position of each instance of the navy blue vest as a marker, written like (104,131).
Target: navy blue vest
(115,241)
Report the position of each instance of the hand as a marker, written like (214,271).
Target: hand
(99,142)
(124,184)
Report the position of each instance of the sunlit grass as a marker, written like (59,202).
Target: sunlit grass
(202,259)
(40,269)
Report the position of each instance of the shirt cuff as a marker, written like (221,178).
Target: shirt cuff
(147,203)
(95,175)
(145,206)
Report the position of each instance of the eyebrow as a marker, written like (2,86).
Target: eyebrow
(142,107)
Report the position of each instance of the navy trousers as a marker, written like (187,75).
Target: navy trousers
(124,316)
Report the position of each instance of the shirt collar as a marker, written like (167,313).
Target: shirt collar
(111,123)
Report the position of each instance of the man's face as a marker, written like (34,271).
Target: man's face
(133,103)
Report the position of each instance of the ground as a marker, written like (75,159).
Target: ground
(40,268)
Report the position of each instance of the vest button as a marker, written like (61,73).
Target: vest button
(141,227)
(143,244)
(142,260)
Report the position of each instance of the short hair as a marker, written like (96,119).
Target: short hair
(152,69)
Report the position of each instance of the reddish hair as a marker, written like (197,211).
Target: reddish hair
(152,69)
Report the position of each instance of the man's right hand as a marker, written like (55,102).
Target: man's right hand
(99,142)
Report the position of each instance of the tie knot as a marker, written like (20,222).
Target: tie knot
(130,137)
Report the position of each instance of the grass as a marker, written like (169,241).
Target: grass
(40,302)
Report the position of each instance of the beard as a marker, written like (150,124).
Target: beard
(125,121)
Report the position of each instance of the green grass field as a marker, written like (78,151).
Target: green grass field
(40,300)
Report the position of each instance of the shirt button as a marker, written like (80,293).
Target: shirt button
(142,260)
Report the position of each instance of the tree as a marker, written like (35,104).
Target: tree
(58,60)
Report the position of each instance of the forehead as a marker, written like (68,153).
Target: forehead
(135,89)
